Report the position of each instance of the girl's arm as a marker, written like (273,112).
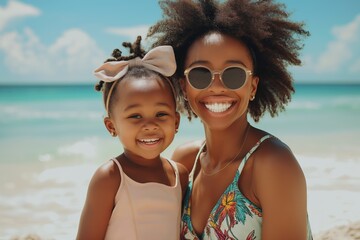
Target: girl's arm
(184,178)
(280,187)
(99,202)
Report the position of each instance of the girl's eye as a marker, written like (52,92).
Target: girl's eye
(135,116)
(162,114)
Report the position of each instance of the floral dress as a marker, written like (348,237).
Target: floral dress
(233,217)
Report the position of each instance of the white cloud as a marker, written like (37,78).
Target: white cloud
(131,32)
(72,57)
(341,50)
(15,10)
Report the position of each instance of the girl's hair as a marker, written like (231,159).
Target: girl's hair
(263,26)
(135,50)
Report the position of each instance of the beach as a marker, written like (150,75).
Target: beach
(346,232)
(52,139)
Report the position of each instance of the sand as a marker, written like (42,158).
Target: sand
(345,232)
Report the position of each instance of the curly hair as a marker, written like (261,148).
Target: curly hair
(263,26)
(135,50)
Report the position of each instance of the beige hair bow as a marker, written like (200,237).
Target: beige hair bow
(160,59)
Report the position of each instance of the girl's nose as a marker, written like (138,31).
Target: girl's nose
(150,126)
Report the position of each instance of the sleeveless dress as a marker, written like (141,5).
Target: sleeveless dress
(233,217)
(146,210)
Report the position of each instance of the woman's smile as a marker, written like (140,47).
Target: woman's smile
(218,104)
(218,107)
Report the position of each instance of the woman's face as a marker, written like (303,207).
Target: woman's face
(217,106)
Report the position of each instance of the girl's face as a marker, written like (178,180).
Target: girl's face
(217,106)
(144,116)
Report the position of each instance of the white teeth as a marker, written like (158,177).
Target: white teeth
(218,107)
(149,141)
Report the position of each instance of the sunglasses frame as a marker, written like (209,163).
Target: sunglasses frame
(220,73)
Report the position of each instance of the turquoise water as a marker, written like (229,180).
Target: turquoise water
(38,118)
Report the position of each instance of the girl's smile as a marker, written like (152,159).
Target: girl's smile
(150,142)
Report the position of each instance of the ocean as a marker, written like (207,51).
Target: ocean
(52,138)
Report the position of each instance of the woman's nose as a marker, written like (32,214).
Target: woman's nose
(216,84)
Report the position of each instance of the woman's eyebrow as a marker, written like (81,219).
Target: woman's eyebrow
(203,62)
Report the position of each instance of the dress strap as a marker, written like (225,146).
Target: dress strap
(174,165)
(122,176)
(252,150)
(191,175)
(176,170)
(119,166)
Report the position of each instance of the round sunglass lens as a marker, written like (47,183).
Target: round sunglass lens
(200,77)
(234,77)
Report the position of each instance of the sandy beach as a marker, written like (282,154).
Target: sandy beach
(347,232)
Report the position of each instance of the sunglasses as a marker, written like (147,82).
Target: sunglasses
(232,77)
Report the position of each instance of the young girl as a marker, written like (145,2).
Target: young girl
(138,194)
(232,57)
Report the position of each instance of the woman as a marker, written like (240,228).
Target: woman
(232,57)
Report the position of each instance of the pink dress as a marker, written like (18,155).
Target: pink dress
(146,210)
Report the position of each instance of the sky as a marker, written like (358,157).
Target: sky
(62,42)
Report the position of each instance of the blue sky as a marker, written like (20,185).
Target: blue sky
(63,41)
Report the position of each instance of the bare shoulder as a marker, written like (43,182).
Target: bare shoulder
(276,168)
(275,155)
(106,175)
(105,180)
(186,154)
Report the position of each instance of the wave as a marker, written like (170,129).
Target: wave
(305,105)
(87,148)
(28,113)
(347,103)
(331,173)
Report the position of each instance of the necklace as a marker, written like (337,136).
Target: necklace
(229,162)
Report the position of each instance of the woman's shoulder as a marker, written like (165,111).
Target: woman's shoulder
(275,163)
(272,152)
(186,153)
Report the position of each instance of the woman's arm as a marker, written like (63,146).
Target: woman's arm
(99,202)
(281,190)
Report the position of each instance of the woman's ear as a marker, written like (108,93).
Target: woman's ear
(110,126)
(254,84)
